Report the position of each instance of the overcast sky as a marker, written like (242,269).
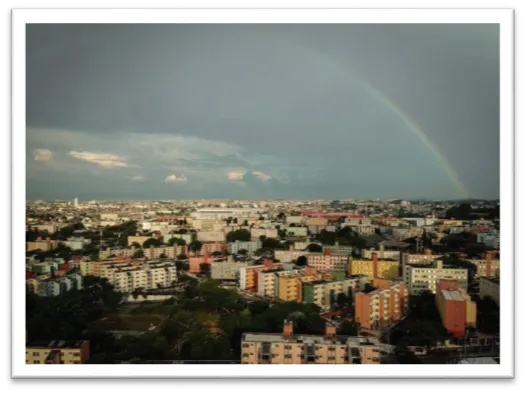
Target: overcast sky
(262,111)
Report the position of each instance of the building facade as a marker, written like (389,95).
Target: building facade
(287,348)
(382,307)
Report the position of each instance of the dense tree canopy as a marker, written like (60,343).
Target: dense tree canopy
(243,235)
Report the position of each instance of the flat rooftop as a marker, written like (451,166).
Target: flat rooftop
(452,295)
(308,339)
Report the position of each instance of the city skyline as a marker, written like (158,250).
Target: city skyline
(262,112)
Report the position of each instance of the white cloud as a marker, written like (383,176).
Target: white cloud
(42,155)
(175,179)
(261,176)
(137,178)
(104,160)
(235,175)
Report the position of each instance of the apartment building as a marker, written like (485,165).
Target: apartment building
(328,262)
(486,267)
(297,220)
(267,282)
(48,227)
(420,259)
(375,268)
(225,213)
(268,232)
(489,286)
(289,284)
(289,255)
(57,352)
(382,307)
(42,245)
(124,252)
(420,278)
(77,243)
(187,237)
(196,261)
(137,239)
(208,225)
(227,270)
(53,286)
(324,292)
(250,246)
(43,267)
(211,236)
(248,276)
(456,309)
(149,275)
(290,348)
(169,251)
(213,247)
(405,233)
(296,231)
(338,249)
(382,253)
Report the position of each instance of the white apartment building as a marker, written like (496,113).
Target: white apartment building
(224,213)
(268,232)
(56,286)
(336,263)
(419,259)
(168,251)
(382,254)
(321,292)
(250,246)
(489,286)
(289,255)
(419,279)
(125,252)
(296,231)
(483,268)
(77,243)
(226,270)
(211,236)
(129,278)
(267,283)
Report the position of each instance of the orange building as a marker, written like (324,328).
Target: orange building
(381,307)
(456,309)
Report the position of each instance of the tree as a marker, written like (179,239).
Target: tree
(261,218)
(302,261)
(258,306)
(205,268)
(176,241)
(162,256)
(242,252)
(271,243)
(242,235)
(181,266)
(235,220)
(342,299)
(349,328)
(195,245)
(313,247)
(135,244)
(138,254)
(182,256)
(461,212)
(152,242)
(245,223)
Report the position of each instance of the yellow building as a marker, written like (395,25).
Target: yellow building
(385,269)
(290,283)
(57,352)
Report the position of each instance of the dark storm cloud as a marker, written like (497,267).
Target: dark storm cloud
(291,101)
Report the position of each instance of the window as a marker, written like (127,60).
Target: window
(36,362)
(36,353)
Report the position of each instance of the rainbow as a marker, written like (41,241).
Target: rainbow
(390,104)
